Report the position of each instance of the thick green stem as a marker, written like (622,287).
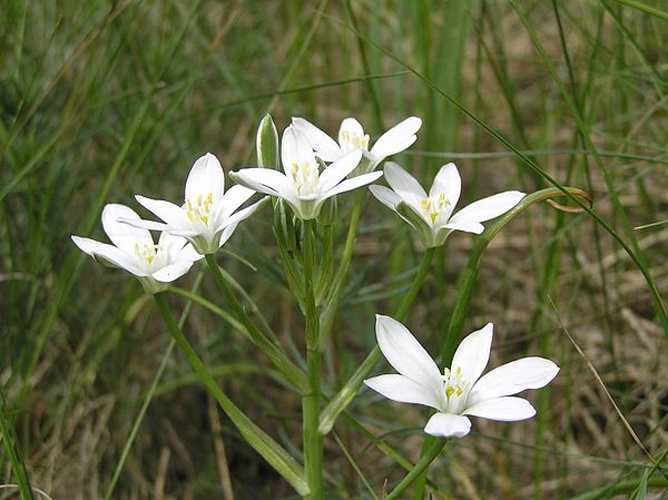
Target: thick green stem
(292,373)
(343,398)
(269,449)
(312,439)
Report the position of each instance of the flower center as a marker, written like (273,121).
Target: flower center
(353,140)
(304,177)
(456,389)
(432,207)
(146,253)
(199,208)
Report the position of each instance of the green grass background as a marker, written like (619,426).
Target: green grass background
(102,100)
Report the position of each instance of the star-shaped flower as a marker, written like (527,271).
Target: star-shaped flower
(459,391)
(133,249)
(301,184)
(209,215)
(352,137)
(432,214)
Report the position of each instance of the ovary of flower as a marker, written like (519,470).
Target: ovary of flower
(133,249)
(431,213)
(459,391)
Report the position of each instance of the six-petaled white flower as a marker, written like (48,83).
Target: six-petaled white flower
(460,390)
(431,214)
(352,137)
(302,185)
(133,249)
(209,215)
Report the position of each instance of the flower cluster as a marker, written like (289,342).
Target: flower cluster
(316,168)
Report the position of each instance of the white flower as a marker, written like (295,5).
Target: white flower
(460,390)
(135,251)
(431,214)
(352,138)
(303,186)
(209,215)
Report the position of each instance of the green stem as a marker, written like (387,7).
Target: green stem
(346,394)
(420,467)
(261,442)
(292,373)
(312,439)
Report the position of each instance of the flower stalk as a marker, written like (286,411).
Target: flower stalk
(312,439)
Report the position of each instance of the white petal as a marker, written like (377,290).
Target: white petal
(515,377)
(234,197)
(386,196)
(488,208)
(408,357)
(325,147)
(173,215)
(402,182)
(109,254)
(226,233)
(403,389)
(151,225)
(242,214)
(206,176)
(398,138)
(338,171)
(472,355)
(177,248)
(350,129)
(505,409)
(266,181)
(172,272)
(448,425)
(122,235)
(354,183)
(467,227)
(296,148)
(449,182)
